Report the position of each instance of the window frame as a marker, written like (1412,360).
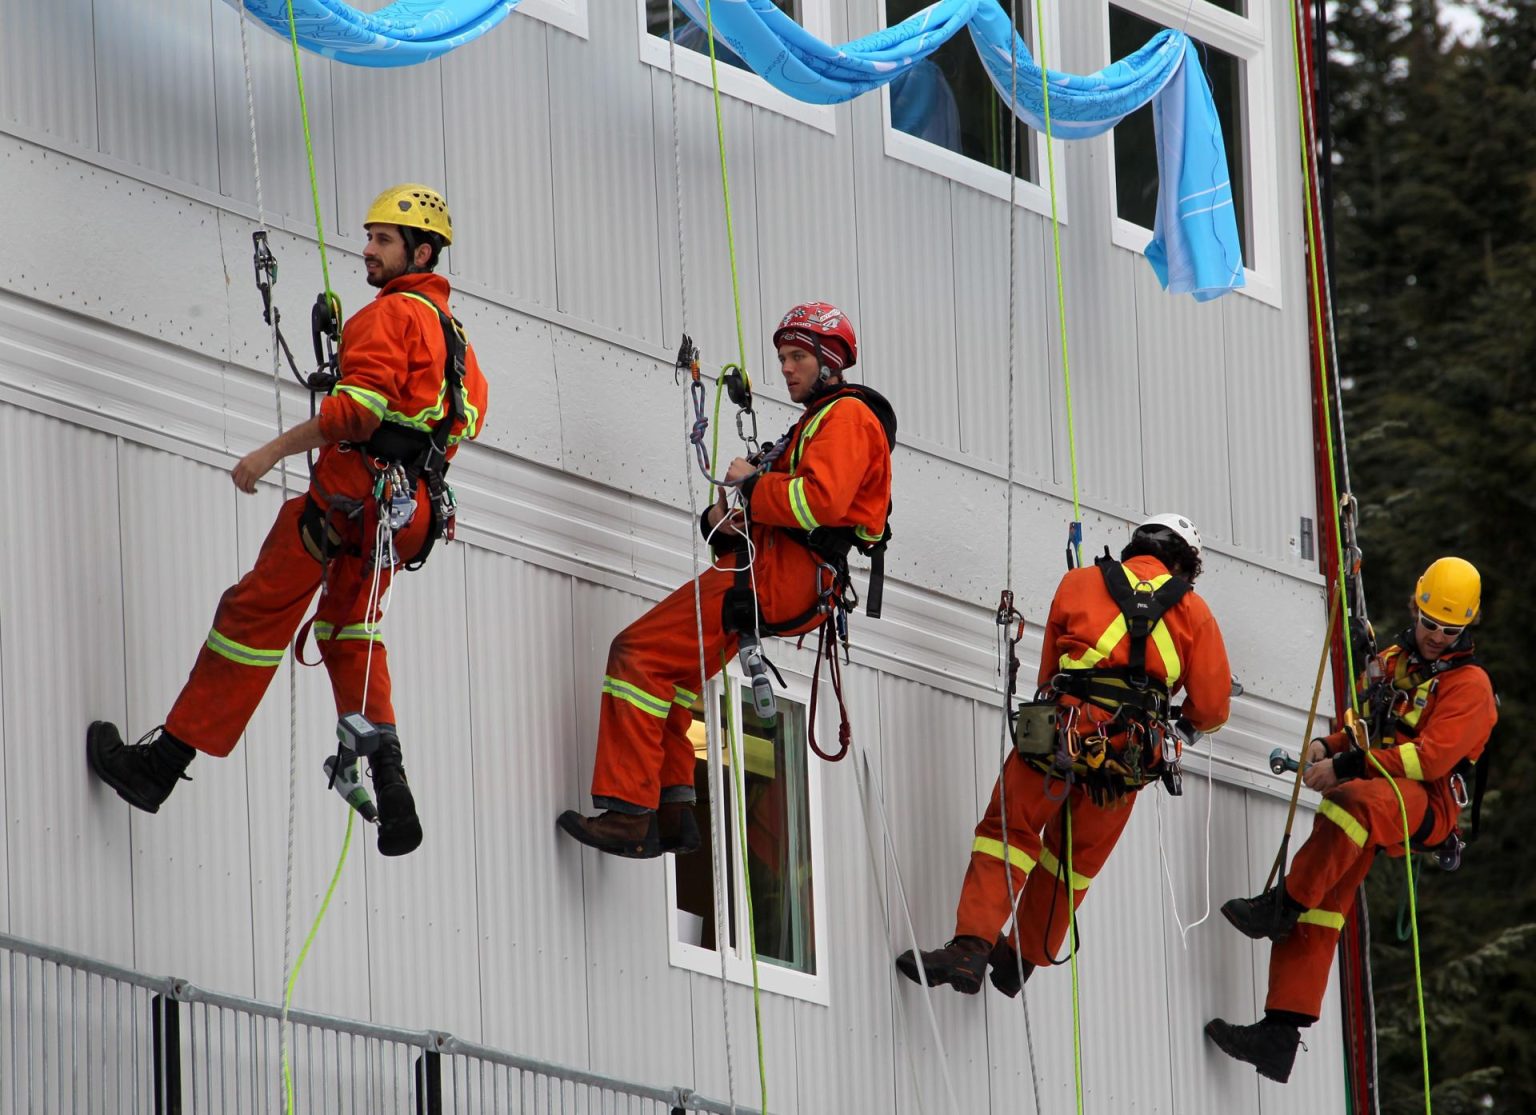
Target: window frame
(567,15)
(966,171)
(741,84)
(1246,38)
(809,987)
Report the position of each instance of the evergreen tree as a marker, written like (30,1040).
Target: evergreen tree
(1435,226)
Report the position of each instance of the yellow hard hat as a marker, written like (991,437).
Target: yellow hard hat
(1450,592)
(414,206)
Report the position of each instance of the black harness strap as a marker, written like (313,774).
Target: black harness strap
(1141,607)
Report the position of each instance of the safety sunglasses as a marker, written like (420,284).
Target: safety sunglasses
(1430,625)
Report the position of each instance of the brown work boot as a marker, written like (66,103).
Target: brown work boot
(631,835)
(1005,964)
(961,964)
(678,827)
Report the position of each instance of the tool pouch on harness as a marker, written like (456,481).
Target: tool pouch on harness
(1036,728)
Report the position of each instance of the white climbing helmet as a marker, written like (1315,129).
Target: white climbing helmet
(1178,524)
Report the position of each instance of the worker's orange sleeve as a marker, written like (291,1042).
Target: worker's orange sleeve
(1207,672)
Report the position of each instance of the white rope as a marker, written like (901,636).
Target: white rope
(1162,849)
(869,788)
(718,824)
(1004,743)
(293,669)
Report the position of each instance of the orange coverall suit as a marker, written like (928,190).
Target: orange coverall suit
(392,357)
(835,472)
(1449,719)
(1085,628)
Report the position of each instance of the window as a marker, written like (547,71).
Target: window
(1229,35)
(776,785)
(945,115)
(736,79)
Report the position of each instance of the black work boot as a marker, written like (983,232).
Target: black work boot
(961,964)
(1005,964)
(631,835)
(678,827)
(1270,1047)
(399,827)
(143,773)
(1270,914)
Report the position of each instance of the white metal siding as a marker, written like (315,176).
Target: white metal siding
(48,69)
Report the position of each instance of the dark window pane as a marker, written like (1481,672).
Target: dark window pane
(778,838)
(1135,143)
(693,37)
(948,99)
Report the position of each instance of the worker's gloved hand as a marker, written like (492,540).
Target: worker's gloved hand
(1186,732)
(1316,752)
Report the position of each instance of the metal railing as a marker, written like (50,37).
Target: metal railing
(89,1038)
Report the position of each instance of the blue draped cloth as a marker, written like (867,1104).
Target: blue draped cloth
(1194,249)
(402,34)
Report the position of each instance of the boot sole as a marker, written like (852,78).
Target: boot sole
(94,745)
(1218,1038)
(906,964)
(569,823)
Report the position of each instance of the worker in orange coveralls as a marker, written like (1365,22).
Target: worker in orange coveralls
(1121,639)
(1429,708)
(391,406)
(828,489)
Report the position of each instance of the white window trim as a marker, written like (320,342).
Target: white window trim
(744,85)
(738,964)
(1245,38)
(568,15)
(1035,197)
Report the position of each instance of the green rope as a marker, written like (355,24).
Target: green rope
(725,190)
(1066,377)
(1413,921)
(309,152)
(738,795)
(1077,1026)
(1315,282)
(314,931)
(1061,296)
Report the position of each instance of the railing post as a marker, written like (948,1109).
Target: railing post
(165,1020)
(429,1084)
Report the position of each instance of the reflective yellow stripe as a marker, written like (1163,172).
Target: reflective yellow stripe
(809,432)
(1352,828)
(684,697)
(1049,861)
(226,647)
(799,506)
(1170,655)
(1100,651)
(354,632)
(371,401)
(642,700)
(1409,754)
(996,849)
(867,535)
(1326,918)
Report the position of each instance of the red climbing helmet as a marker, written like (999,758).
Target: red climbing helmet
(813,324)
